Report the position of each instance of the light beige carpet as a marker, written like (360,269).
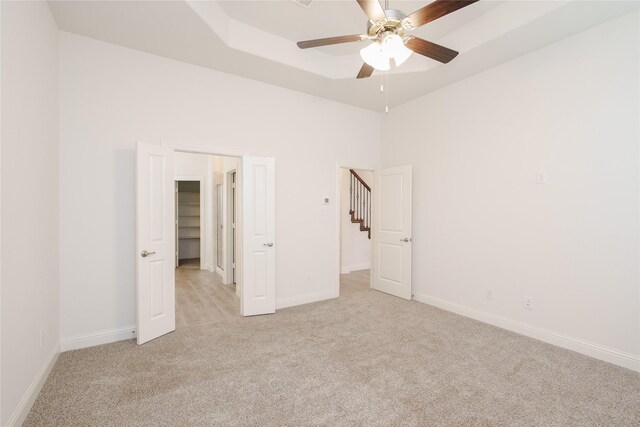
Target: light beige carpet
(363,359)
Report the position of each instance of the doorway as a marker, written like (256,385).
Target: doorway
(355,222)
(205,282)
(190,216)
(156,169)
(387,202)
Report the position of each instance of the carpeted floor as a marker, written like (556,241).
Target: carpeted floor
(363,359)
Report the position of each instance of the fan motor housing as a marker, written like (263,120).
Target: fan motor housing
(392,23)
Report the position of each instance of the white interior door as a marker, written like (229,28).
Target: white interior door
(258,266)
(155,242)
(391,271)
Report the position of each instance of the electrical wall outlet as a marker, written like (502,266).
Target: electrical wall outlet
(489,293)
(528,303)
(541,177)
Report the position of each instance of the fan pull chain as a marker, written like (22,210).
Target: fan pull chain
(386,94)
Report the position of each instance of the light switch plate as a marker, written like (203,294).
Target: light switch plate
(541,177)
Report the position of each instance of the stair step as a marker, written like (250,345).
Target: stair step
(360,202)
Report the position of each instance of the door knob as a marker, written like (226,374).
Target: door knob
(268,244)
(406,239)
(145,254)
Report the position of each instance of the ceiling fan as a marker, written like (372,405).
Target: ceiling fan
(388,29)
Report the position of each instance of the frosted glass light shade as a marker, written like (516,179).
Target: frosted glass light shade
(374,55)
(402,55)
(393,47)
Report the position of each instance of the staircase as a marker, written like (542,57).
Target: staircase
(360,202)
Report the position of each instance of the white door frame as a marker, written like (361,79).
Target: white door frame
(203,229)
(338,212)
(219,213)
(229,256)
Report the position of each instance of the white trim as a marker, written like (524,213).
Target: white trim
(305,299)
(201,149)
(28,399)
(607,354)
(227,217)
(355,267)
(98,338)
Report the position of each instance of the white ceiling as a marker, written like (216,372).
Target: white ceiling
(328,18)
(256,39)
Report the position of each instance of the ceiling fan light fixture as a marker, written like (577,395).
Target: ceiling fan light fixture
(393,47)
(387,29)
(374,55)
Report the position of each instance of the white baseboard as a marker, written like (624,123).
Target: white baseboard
(98,338)
(305,299)
(220,271)
(355,267)
(596,351)
(29,397)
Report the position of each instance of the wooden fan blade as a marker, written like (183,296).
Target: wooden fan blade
(372,9)
(435,10)
(365,71)
(330,40)
(431,50)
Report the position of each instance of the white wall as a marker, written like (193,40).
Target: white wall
(29,229)
(481,221)
(355,245)
(112,96)
(200,165)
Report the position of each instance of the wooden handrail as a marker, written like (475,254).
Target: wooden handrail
(360,179)
(360,202)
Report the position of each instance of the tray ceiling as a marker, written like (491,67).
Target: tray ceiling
(256,39)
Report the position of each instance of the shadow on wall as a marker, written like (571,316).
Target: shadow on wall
(124,242)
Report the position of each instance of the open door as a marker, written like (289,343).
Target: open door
(155,242)
(391,270)
(258,259)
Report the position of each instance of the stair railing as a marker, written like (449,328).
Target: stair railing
(360,202)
